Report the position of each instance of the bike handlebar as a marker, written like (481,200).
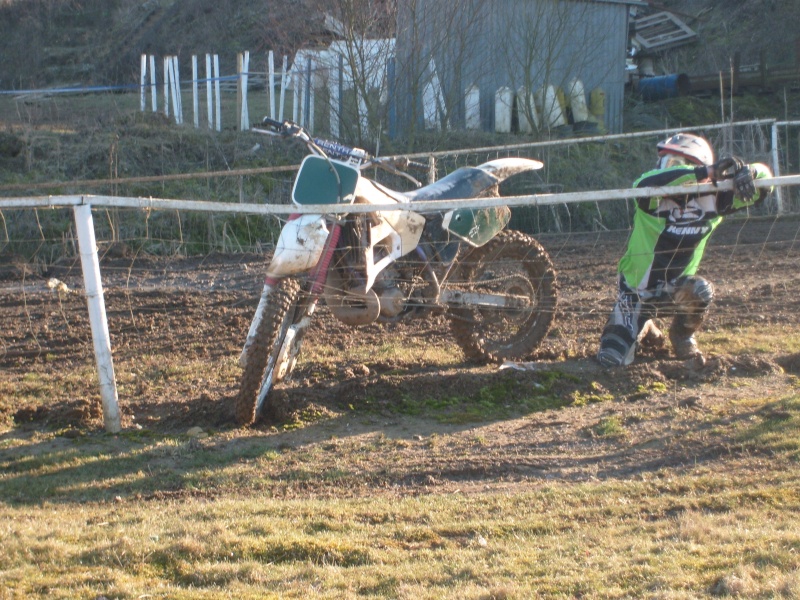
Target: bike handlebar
(337,150)
(271,123)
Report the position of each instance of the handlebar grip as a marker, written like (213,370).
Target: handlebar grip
(271,123)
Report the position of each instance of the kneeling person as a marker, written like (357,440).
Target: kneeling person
(658,272)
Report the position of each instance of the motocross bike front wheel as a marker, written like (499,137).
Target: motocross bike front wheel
(512,266)
(267,358)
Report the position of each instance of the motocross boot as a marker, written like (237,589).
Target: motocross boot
(692,298)
(621,335)
(682,339)
(614,352)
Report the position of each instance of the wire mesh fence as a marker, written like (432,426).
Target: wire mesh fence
(184,283)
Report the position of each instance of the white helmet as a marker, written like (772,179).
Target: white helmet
(688,145)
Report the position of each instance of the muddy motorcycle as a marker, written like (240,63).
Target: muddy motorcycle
(496,287)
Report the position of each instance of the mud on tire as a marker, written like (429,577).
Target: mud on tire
(513,263)
(261,357)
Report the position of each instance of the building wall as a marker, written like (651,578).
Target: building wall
(513,43)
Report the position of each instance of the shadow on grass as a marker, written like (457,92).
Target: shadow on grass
(404,433)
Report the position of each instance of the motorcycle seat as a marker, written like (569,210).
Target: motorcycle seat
(466,182)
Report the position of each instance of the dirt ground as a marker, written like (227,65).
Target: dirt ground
(199,310)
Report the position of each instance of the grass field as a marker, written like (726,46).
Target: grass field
(377,503)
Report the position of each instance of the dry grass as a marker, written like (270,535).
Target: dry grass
(145,515)
(600,540)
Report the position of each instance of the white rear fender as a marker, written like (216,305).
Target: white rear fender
(503,168)
(299,246)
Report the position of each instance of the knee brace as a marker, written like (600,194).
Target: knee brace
(693,293)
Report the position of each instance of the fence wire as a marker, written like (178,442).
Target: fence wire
(184,284)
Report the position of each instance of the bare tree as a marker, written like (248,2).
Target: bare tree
(438,60)
(365,29)
(528,45)
(551,44)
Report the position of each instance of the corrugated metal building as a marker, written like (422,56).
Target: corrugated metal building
(507,49)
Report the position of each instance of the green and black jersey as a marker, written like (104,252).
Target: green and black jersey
(670,232)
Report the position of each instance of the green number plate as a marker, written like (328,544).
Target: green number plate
(318,183)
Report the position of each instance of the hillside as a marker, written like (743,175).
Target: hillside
(95,42)
(98,42)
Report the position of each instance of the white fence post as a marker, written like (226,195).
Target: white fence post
(296,89)
(243,64)
(271,83)
(335,87)
(217,94)
(776,168)
(195,99)
(142,80)
(308,96)
(97,316)
(284,83)
(167,75)
(431,169)
(153,92)
(176,91)
(209,97)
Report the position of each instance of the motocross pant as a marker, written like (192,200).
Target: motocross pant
(686,298)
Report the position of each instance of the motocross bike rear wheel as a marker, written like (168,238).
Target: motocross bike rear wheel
(515,265)
(263,369)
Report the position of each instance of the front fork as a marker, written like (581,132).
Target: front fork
(317,278)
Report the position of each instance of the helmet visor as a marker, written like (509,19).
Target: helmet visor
(665,161)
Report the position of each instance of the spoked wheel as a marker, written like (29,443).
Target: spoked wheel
(267,359)
(514,266)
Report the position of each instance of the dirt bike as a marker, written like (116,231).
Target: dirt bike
(496,287)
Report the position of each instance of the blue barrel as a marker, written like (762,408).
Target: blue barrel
(664,86)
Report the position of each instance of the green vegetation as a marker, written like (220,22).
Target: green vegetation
(506,396)
(762,340)
(595,393)
(609,427)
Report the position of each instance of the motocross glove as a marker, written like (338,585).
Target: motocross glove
(743,183)
(727,167)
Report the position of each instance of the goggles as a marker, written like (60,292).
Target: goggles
(667,160)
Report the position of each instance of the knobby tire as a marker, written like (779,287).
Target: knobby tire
(264,350)
(526,262)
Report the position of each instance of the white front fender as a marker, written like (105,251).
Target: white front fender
(299,247)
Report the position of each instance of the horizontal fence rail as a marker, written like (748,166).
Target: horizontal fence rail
(422,206)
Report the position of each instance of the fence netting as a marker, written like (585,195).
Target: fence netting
(185,283)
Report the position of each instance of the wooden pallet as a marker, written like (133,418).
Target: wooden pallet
(660,31)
